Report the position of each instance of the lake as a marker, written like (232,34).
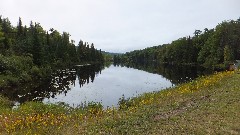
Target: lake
(104,84)
(111,84)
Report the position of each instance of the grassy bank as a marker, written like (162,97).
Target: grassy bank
(208,105)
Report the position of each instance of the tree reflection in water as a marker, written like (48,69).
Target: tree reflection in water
(175,73)
(60,82)
(64,80)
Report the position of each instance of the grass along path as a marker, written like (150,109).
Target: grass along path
(207,105)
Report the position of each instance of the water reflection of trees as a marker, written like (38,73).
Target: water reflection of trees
(35,90)
(175,73)
(59,82)
(86,74)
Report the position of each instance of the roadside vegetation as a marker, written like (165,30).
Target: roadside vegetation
(207,105)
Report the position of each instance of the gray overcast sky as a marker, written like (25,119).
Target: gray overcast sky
(122,25)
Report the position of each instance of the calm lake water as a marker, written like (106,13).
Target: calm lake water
(104,84)
(110,85)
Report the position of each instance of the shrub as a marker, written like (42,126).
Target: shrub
(15,64)
(5,103)
(8,80)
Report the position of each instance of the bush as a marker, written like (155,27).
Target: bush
(5,103)
(25,77)
(8,80)
(19,69)
(15,64)
(36,72)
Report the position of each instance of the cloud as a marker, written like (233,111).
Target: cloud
(123,25)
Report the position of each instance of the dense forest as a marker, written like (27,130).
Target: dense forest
(29,53)
(211,48)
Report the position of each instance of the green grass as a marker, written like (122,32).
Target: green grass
(208,105)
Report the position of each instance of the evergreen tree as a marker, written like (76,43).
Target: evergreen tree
(19,27)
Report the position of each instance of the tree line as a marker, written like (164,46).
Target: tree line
(45,47)
(211,48)
(31,51)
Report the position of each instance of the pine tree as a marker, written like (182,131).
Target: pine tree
(19,27)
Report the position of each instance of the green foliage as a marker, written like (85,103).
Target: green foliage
(87,54)
(1,35)
(36,72)
(30,53)
(94,108)
(124,103)
(15,69)
(5,103)
(222,46)
(228,55)
(210,48)
(41,108)
(18,69)
(15,64)
(45,47)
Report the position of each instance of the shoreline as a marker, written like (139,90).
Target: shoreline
(196,107)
